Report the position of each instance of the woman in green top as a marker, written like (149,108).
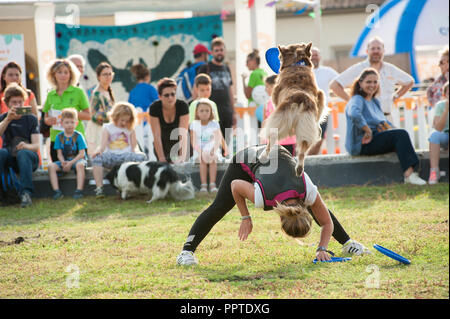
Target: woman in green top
(63,77)
(256,77)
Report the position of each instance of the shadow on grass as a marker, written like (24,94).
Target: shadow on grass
(241,273)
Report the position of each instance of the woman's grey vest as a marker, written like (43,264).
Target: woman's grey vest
(276,177)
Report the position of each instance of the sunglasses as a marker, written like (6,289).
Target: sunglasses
(169,95)
(59,62)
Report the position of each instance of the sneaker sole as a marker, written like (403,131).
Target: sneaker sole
(186,265)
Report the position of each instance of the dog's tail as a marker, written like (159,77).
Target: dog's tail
(182,191)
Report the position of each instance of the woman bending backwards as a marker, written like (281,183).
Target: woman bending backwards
(271,185)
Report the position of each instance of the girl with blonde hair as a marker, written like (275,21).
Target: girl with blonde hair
(118,143)
(272,185)
(206,139)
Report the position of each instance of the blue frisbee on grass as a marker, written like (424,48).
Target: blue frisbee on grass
(272,59)
(334,260)
(391,254)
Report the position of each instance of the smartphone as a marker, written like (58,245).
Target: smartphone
(24,110)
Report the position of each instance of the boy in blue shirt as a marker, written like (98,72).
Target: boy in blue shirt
(71,149)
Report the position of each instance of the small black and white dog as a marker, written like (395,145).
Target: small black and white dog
(154,178)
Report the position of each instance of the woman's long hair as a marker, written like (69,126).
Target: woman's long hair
(296,220)
(58,63)
(10,65)
(356,87)
(98,71)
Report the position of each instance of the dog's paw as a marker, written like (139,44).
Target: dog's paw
(149,201)
(299,169)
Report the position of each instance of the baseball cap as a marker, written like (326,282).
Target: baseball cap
(200,48)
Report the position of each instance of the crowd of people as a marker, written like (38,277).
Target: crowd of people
(192,116)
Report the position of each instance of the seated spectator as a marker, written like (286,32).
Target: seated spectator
(63,76)
(20,141)
(288,142)
(434,92)
(389,77)
(439,136)
(202,90)
(166,116)
(12,73)
(118,143)
(143,94)
(101,101)
(370,133)
(206,140)
(71,149)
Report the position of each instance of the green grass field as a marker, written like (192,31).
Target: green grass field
(111,248)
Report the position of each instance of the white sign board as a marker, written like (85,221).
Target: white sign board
(12,49)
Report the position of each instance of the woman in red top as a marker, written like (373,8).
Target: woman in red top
(12,72)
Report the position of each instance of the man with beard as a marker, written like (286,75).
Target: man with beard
(390,75)
(221,92)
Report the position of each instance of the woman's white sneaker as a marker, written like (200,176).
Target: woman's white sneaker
(186,258)
(352,247)
(414,179)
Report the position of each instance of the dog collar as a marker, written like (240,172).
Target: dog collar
(301,62)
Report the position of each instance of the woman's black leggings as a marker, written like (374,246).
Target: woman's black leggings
(224,202)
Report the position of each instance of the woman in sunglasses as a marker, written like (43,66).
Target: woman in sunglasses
(434,92)
(169,120)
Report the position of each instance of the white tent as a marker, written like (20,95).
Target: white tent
(406,25)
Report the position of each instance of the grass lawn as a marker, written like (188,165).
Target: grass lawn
(111,248)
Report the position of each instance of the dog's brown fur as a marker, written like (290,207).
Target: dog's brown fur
(299,103)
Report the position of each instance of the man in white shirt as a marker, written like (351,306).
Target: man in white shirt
(324,75)
(390,75)
(80,63)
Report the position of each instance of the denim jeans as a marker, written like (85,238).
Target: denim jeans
(395,140)
(24,164)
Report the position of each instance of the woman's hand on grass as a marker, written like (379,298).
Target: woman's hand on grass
(245,229)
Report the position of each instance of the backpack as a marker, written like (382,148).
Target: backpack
(185,82)
(9,188)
